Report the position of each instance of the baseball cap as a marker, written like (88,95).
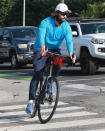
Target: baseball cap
(62,8)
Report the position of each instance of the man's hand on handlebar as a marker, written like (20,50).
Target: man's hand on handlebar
(73,57)
(42,50)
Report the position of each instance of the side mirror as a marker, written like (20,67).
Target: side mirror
(74,33)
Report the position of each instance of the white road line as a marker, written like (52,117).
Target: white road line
(82,87)
(65,115)
(97,130)
(76,123)
(74,114)
(13,117)
(99,78)
(17,113)
(13,107)
(45,110)
(72,108)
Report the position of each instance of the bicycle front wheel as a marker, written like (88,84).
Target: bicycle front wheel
(34,108)
(35,103)
(48,102)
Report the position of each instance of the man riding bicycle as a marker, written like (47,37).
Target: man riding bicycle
(52,31)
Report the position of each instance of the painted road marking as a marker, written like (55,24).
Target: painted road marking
(99,78)
(13,120)
(23,106)
(56,125)
(12,74)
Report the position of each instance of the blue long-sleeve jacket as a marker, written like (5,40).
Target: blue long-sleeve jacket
(53,36)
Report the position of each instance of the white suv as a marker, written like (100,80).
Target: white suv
(89,43)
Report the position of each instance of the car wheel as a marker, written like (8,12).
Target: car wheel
(88,66)
(1,62)
(14,62)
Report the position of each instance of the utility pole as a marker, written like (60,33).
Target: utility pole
(23,12)
(61,1)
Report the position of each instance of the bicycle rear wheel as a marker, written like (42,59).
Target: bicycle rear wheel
(47,104)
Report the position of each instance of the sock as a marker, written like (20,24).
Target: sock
(30,101)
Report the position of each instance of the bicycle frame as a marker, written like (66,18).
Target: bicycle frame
(45,93)
(51,68)
(56,59)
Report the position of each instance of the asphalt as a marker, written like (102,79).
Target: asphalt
(13,90)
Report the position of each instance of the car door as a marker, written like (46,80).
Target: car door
(5,44)
(76,39)
(75,34)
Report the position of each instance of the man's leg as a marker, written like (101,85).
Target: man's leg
(38,66)
(34,84)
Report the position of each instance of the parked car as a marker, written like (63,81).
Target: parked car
(89,43)
(16,44)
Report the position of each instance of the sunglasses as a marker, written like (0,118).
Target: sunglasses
(64,13)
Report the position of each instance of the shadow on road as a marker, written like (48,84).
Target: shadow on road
(8,67)
(28,69)
(77,72)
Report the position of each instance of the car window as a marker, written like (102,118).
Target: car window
(24,33)
(36,31)
(74,28)
(92,28)
(5,34)
(100,28)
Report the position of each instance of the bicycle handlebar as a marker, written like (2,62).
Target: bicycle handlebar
(55,54)
(63,58)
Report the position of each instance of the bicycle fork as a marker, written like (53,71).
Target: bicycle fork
(51,69)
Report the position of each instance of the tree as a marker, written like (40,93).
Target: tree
(96,10)
(36,10)
(15,15)
(5,7)
(11,11)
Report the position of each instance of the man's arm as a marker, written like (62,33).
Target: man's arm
(41,36)
(69,43)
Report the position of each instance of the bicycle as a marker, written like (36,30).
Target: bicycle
(47,94)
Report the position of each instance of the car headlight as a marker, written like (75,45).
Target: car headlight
(22,46)
(97,41)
